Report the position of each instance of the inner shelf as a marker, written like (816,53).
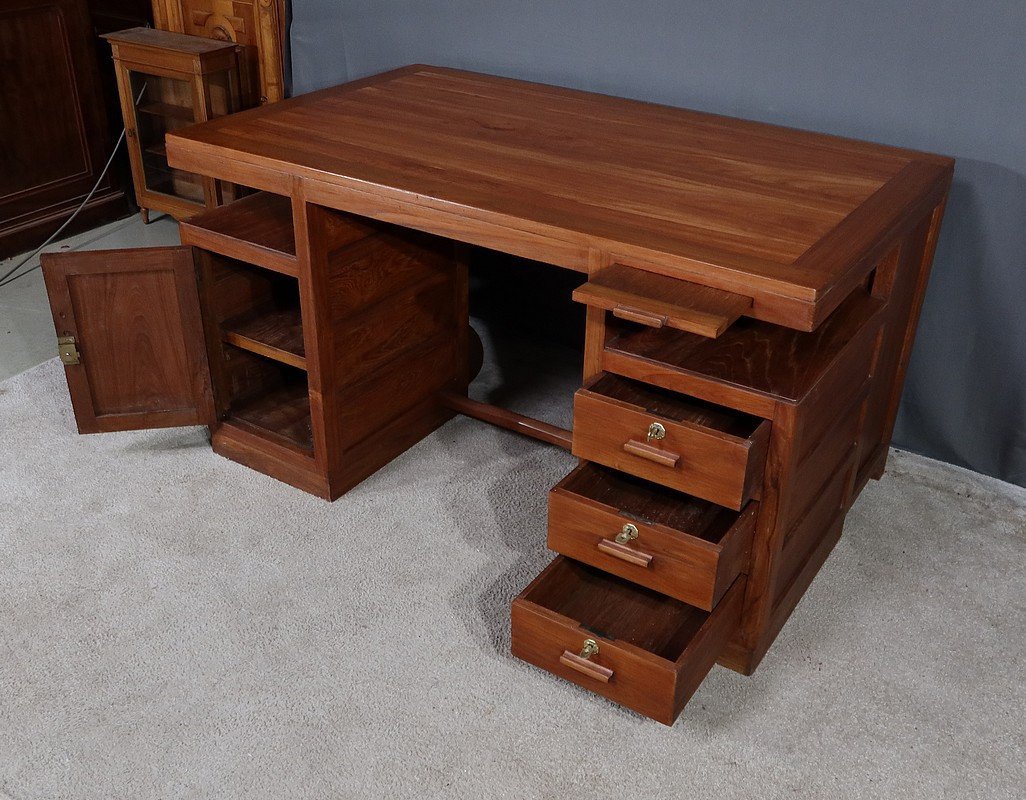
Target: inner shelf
(275,333)
(171,110)
(283,411)
(268,398)
(257,228)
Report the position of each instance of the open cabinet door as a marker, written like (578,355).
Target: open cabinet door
(130,335)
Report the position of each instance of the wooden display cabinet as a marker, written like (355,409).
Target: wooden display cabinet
(168,81)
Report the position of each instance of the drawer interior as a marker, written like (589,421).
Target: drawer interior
(650,503)
(754,355)
(676,407)
(617,609)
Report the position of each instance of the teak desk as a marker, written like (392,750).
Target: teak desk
(752,297)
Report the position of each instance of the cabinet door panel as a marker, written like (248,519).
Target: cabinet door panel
(53,134)
(138,337)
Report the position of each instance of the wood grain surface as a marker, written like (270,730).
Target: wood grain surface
(709,452)
(657,301)
(657,648)
(688,548)
(257,229)
(580,179)
(135,317)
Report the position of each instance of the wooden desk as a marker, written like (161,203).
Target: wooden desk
(752,298)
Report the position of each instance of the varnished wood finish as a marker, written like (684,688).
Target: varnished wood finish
(751,289)
(282,412)
(707,451)
(657,301)
(135,318)
(752,358)
(809,486)
(585,667)
(686,548)
(254,309)
(279,459)
(388,308)
(275,333)
(657,650)
(256,229)
(510,420)
(735,205)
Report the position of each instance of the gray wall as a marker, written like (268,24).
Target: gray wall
(944,76)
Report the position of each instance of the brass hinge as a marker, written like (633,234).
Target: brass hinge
(67,350)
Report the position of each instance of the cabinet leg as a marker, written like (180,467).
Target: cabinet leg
(145,214)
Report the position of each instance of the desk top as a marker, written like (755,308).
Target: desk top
(791,218)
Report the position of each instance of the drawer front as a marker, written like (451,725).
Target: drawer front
(628,675)
(544,639)
(723,469)
(693,570)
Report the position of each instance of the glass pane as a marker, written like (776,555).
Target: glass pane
(163,105)
(219,93)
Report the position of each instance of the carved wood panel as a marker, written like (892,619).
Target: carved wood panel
(259,25)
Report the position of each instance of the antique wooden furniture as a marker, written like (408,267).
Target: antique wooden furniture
(752,295)
(53,133)
(258,26)
(167,81)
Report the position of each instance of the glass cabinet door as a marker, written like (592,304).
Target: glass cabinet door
(163,105)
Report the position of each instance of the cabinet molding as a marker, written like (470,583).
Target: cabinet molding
(258,25)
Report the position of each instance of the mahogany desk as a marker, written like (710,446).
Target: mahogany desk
(752,298)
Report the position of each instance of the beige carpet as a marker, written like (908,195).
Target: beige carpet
(173,625)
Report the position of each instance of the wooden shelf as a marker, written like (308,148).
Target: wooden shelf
(168,110)
(257,229)
(159,150)
(193,195)
(752,356)
(281,414)
(275,333)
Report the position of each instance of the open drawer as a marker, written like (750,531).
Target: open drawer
(700,448)
(637,647)
(677,544)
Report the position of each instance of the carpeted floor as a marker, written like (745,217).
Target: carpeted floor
(173,625)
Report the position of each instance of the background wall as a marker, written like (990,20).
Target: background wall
(937,75)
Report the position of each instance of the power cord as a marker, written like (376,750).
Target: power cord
(6,278)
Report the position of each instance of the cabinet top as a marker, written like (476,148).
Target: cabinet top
(168,40)
(793,219)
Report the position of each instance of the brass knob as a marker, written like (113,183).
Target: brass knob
(656,431)
(627,533)
(589,649)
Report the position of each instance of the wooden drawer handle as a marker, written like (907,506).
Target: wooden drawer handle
(583,665)
(644,450)
(624,553)
(639,316)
